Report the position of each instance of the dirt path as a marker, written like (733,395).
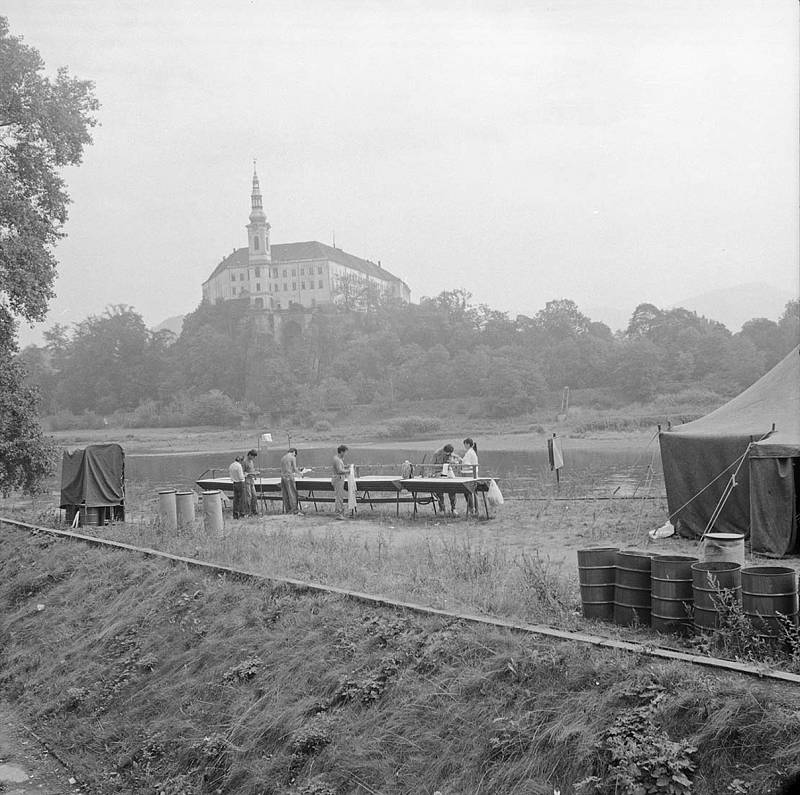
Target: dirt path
(26,767)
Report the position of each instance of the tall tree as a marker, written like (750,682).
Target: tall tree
(44,126)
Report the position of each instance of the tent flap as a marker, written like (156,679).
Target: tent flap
(773,519)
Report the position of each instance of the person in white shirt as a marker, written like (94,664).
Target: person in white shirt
(469,468)
(337,481)
(236,473)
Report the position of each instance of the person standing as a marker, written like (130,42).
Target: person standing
(289,472)
(337,481)
(237,478)
(469,468)
(444,455)
(250,473)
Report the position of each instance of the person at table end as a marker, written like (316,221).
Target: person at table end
(338,477)
(250,474)
(469,469)
(237,479)
(289,472)
(443,458)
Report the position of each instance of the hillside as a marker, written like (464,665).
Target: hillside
(146,677)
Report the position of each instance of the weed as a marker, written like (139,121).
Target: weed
(639,757)
(244,671)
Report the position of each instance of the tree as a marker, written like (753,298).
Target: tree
(562,318)
(44,126)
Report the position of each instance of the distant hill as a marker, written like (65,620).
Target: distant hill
(732,306)
(173,324)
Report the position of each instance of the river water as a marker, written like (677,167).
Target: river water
(587,471)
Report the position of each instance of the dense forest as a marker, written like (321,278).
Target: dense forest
(227,367)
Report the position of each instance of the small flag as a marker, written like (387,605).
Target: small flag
(554,453)
(266,437)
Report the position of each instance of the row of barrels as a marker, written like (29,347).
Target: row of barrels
(676,593)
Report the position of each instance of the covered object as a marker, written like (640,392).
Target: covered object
(93,483)
(756,433)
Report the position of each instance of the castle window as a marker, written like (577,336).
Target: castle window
(284,286)
(294,271)
(320,284)
(241,277)
(233,277)
(294,286)
(284,273)
(260,303)
(302,285)
(275,273)
(319,268)
(255,243)
(302,271)
(258,287)
(258,272)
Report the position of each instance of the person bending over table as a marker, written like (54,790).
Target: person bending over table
(444,455)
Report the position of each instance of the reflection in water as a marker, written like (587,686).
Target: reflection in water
(520,473)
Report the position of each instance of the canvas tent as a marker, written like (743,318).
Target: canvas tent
(760,428)
(93,479)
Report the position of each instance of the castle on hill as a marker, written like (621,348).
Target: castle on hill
(293,275)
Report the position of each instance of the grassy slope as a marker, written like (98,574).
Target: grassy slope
(149,678)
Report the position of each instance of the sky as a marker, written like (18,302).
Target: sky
(607,151)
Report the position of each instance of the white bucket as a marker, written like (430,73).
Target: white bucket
(167,509)
(724,547)
(212,511)
(184,501)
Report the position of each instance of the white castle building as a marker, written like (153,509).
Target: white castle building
(287,275)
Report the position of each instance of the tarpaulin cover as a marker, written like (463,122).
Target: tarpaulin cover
(93,477)
(699,458)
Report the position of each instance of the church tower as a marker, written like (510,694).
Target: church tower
(258,228)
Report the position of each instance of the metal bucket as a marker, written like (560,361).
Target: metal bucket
(766,591)
(90,516)
(672,597)
(724,546)
(167,509)
(632,587)
(708,578)
(212,511)
(184,504)
(597,575)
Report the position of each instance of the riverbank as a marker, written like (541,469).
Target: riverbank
(158,441)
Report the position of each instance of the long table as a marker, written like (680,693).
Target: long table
(371,489)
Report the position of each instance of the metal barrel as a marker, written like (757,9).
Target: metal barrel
(597,576)
(167,509)
(767,591)
(632,587)
(724,546)
(708,579)
(184,503)
(671,593)
(212,511)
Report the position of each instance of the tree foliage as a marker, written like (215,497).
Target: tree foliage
(44,126)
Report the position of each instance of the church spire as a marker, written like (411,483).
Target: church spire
(256,203)
(258,228)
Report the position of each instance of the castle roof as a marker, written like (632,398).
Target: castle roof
(310,250)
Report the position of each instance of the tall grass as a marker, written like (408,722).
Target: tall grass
(151,678)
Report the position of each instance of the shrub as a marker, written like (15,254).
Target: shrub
(403,427)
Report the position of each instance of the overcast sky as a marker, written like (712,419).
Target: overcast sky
(608,151)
